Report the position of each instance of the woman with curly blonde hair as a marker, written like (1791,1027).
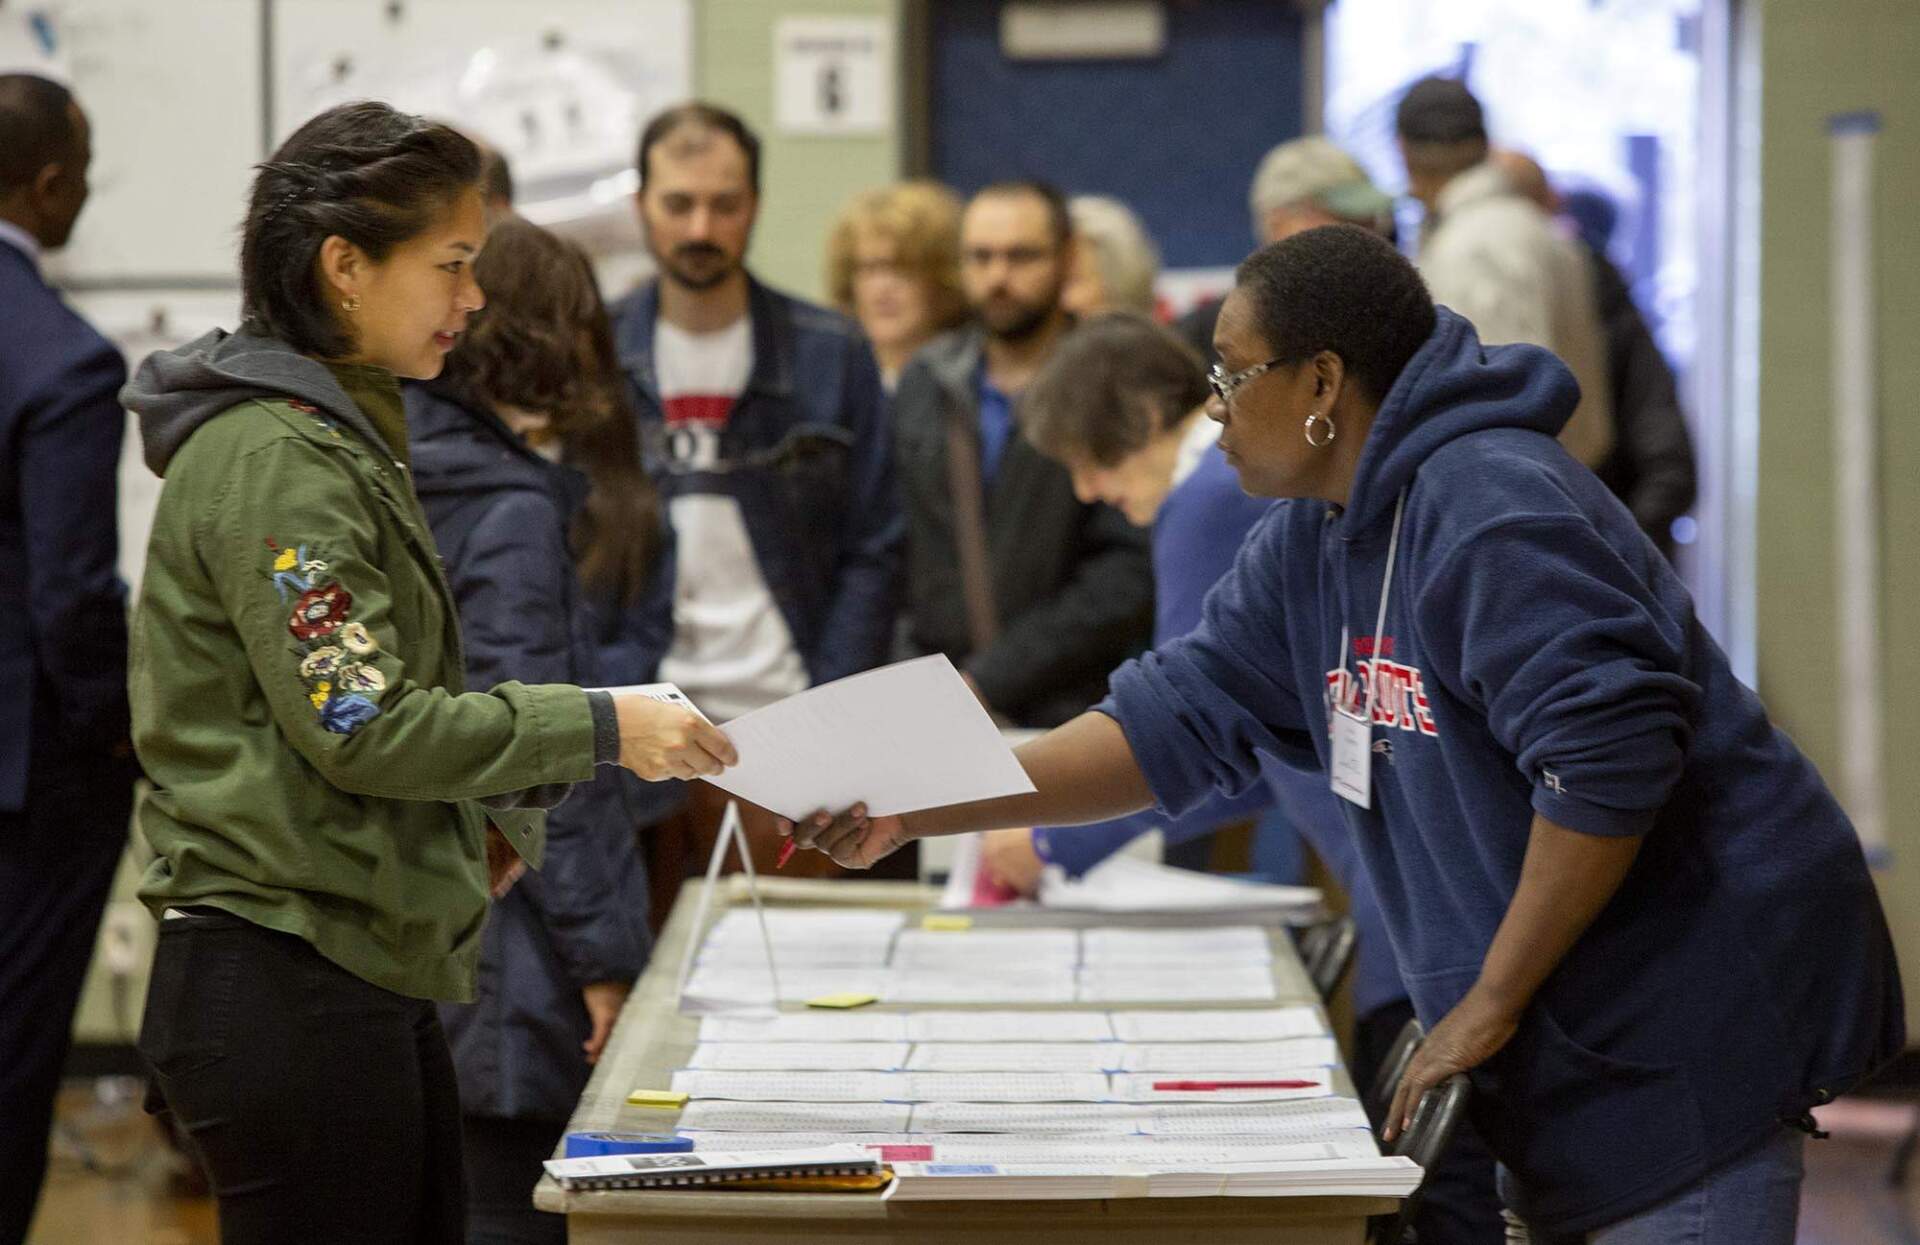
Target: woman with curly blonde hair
(893,264)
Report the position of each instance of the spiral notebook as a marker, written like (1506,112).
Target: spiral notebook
(700,1168)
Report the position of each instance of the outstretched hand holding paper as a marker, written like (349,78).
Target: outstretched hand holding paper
(900,738)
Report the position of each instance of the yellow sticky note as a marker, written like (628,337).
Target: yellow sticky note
(664,1099)
(945,921)
(843,1001)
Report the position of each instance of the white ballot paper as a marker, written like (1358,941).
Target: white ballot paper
(1264,1025)
(808,1057)
(717,1115)
(901,738)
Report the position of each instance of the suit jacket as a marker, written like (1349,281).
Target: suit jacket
(63,624)
(1072,583)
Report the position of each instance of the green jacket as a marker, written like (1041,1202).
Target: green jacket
(296,675)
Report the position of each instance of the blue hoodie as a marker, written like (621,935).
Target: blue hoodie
(1539,656)
(1200,526)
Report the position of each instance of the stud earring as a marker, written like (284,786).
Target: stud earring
(350,303)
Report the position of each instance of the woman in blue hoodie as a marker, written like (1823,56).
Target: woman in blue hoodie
(534,381)
(1622,900)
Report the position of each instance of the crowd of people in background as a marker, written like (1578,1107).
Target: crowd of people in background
(991,446)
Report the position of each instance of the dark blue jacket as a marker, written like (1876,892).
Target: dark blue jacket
(63,622)
(812,469)
(499,514)
(1540,656)
(1195,536)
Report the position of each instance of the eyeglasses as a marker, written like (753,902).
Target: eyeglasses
(1225,384)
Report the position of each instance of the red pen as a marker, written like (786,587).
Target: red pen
(786,853)
(1202,1086)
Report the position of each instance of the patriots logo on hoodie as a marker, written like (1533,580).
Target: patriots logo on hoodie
(1399,693)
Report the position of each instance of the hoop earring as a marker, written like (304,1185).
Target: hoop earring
(1317,417)
(350,303)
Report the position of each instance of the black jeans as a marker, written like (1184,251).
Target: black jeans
(57,857)
(504,1160)
(323,1107)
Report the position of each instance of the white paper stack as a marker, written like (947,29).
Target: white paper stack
(1149,891)
(942,1181)
(1019,1101)
(799,1056)
(807,1027)
(1249,1025)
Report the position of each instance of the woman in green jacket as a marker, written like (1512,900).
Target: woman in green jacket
(330,802)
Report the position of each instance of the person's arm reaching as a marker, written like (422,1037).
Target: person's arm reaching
(314,610)
(1566,879)
(1198,715)
(1083,771)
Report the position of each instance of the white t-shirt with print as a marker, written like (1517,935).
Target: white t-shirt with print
(732,651)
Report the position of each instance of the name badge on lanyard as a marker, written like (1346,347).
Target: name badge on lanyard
(1351,734)
(1351,772)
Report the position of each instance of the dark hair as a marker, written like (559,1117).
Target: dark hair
(1441,128)
(1059,220)
(35,128)
(543,343)
(699,116)
(496,176)
(1344,289)
(1439,109)
(364,172)
(1109,387)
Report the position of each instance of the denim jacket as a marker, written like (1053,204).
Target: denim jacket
(808,455)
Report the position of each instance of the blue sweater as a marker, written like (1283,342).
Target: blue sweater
(1198,530)
(1540,656)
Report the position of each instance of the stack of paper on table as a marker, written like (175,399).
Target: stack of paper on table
(1384,1176)
(1337,1121)
(1030,1103)
(816,951)
(1145,890)
(834,952)
(1024,1087)
(1270,1024)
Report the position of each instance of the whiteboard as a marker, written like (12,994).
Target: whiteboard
(173,93)
(561,88)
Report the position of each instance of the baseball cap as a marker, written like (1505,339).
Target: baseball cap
(1315,170)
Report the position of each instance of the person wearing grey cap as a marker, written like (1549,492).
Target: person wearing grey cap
(1301,184)
(1493,256)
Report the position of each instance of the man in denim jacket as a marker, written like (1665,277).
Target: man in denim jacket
(765,416)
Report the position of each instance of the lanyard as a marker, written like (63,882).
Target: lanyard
(1380,620)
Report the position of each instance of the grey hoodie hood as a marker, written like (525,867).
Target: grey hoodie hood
(174,392)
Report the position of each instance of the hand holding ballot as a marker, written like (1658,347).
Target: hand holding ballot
(852,838)
(659,740)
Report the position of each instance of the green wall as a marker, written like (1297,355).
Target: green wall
(1819,58)
(804,181)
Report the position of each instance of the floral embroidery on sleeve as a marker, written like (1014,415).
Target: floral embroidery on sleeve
(333,650)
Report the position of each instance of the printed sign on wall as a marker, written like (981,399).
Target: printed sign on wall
(833,75)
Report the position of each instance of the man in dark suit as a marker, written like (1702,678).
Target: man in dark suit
(66,773)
